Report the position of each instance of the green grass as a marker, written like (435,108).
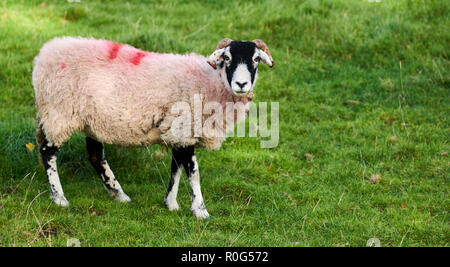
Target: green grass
(391,57)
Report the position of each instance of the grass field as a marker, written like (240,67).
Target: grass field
(363,87)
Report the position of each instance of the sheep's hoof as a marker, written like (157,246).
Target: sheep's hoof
(60,201)
(171,205)
(122,197)
(201,214)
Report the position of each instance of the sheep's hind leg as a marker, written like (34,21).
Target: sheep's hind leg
(96,157)
(187,157)
(48,153)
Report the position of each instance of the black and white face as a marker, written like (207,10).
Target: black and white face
(238,65)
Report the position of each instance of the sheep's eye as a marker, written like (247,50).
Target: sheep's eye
(226,58)
(257,59)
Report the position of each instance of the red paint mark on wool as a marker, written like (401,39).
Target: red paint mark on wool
(113,50)
(136,60)
(193,71)
(63,66)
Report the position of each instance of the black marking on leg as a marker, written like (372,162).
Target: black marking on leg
(95,155)
(52,189)
(183,156)
(202,206)
(47,151)
(175,166)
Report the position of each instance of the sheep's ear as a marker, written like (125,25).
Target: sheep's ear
(265,58)
(264,52)
(215,58)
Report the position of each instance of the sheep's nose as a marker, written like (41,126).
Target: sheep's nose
(241,85)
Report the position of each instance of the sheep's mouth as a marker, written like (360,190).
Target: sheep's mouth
(241,93)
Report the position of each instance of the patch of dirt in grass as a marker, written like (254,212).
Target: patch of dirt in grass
(96,212)
(49,230)
(10,190)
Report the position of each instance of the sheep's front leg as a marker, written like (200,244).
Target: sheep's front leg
(190,165)
(175,173)
(96,157)
(198,207)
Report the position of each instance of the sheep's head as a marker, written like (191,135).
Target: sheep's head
(237,62)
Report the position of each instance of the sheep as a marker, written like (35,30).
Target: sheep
(117,94)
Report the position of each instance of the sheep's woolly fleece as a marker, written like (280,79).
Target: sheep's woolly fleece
(121,95)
